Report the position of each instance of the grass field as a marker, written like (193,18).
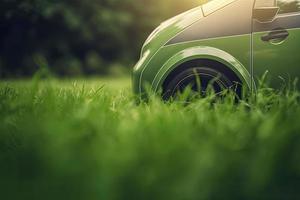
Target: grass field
(88,139)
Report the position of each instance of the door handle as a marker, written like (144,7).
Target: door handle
(276,36)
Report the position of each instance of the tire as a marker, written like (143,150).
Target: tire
(199,80)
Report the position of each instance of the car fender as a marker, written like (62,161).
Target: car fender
(202,52)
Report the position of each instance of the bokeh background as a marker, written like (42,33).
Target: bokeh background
(76,37)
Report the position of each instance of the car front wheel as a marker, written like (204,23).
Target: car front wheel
(199,81)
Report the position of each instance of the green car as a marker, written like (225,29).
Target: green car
(227,44)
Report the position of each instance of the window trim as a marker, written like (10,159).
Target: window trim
(289,13)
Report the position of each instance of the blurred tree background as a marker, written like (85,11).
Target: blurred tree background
(75,37)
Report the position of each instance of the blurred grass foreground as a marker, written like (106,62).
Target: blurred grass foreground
(88,139)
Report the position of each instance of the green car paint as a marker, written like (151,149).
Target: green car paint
(224,31)
(157,40)
(282,60)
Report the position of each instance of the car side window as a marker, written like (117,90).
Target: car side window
(288,6)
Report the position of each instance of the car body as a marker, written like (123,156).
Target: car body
(241,39)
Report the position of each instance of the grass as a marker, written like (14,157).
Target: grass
(88,139)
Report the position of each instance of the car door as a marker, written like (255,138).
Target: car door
(276,44)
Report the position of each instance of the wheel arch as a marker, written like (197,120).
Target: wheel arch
(181,60)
